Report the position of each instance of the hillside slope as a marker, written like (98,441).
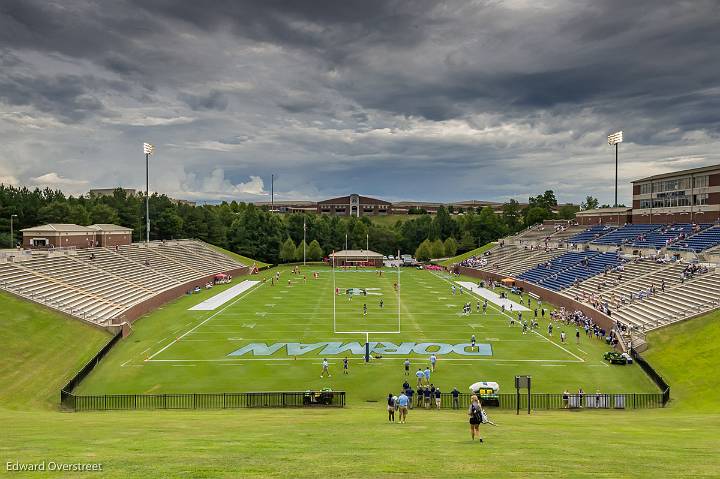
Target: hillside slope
(460,257)
(686,355)
(41,350)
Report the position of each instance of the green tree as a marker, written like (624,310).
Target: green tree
(169,225)
(437,249)
(590,203)
(567,212)
(536,215)
(467,242)
(103,214)
(314,251)
(512,215)
(450,247)
(299,251)
(423,252)
(288,250)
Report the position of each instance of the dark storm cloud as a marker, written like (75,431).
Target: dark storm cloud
(432,87)
(214,100)
(66,97)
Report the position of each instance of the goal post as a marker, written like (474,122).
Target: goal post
(366,333)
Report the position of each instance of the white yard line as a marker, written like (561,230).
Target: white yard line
(540,335)
(205,321)
(402,358)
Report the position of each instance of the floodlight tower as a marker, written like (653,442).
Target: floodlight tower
(615,139)
(148,149)
(12,232)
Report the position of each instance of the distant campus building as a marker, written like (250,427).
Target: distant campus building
(358,205)
(57,235)
(685,196)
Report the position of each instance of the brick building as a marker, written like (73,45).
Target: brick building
(606,216)
(686,196)
(57,235)
(354,205)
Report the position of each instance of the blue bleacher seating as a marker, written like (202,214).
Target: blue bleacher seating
(561,272)
(591,233)
(701,241)
(627,234)
(667,235)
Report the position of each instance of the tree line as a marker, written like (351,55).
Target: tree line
(271,237)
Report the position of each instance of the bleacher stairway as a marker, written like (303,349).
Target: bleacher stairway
(100,284)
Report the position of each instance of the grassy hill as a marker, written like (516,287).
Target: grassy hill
(686,355)
(39,346)
(238,257)
(41,350)
(474,252)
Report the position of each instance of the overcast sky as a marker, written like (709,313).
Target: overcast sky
(404,100)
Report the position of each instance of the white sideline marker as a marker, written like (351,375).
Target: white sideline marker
(211,304)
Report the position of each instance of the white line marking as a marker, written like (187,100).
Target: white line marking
(205,321)
(123,364)
(362,359)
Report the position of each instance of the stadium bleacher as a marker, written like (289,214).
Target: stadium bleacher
(99,284)
(594,232)
(626,234)
(666,235)
(706,239)
(563,271)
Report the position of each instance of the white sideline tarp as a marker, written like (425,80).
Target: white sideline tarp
(219,299)
(491,296)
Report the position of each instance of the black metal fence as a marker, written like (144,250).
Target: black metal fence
(540,401)
(286,399)
(657,379)
(82,374)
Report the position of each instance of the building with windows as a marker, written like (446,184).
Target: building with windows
(57,235)
(354,205)
(687,196)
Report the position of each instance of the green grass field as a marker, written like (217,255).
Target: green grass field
(678,441)
(178,350)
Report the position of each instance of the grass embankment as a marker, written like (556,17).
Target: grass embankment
(41,350)
(679,441)
(474,252)
(686,355)
(240,258)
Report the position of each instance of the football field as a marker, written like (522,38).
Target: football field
(274,335)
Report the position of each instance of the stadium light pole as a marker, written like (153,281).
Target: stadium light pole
(148,149)
(304,243)
(615,139)
(12,231)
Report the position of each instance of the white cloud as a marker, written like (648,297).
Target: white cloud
(150,120)
(53,179)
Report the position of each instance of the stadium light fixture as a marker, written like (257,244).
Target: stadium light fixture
(148,149)
(615,139)
(12,232)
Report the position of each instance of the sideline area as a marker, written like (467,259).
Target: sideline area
(492,296)
(211,304)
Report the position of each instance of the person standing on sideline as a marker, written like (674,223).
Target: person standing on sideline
(549,329)
(410,393)
(577,336)
(364,309)
(562,336)
(407,367)
(391,408)
(433,360)
(475,413)
(456,398)
(438,398)
(381,303)
(420,395)
(427,375)
(345,366)
(325,368)
(427,395)
(403,406)
(419,375)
